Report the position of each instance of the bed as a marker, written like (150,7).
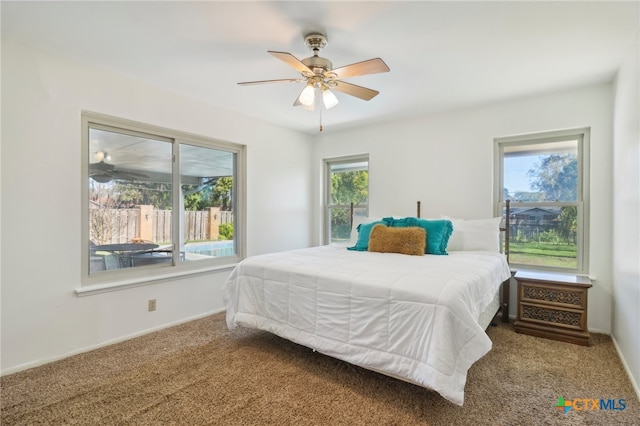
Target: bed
(421,319)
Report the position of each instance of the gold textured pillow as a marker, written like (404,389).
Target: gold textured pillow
(410,240)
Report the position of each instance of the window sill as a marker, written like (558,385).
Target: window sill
(122,284)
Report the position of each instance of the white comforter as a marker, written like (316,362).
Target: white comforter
(411,317)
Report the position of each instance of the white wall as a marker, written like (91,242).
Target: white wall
(42,96)
(446,161)
(626,213)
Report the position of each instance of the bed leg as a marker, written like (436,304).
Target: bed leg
(505,300)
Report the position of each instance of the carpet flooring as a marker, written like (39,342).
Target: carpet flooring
(200,373)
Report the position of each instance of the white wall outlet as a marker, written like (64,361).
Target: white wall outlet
(152,305)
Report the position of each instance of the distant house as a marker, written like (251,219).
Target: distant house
(529,224)
(534,216)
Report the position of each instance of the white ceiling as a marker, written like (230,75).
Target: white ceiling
(442,55)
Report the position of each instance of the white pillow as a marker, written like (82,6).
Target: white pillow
(357,220)
(474,235)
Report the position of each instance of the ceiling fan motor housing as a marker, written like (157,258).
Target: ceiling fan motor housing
(318,64)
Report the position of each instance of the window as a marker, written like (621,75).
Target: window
(136,177)
(347,184)
(546,178)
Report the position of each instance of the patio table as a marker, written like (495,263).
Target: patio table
(125,251)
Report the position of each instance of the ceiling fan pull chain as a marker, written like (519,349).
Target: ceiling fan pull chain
(320,118)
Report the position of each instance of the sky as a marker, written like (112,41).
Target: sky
(515,172)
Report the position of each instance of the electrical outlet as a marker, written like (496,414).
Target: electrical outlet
(152,305)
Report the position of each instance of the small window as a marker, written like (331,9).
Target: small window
(546,180)
(347,194)
(137,178)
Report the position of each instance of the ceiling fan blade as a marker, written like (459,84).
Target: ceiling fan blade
(103,172)
(372,66)
(283,80)
(101,166)
(122,175)
(102,178)
(292,61)
(354,90)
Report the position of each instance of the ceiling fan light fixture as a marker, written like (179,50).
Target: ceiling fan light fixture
(102,156)
(308,95)
(328,98)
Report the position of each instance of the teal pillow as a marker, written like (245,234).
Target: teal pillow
(438,232)
(364,229)
(403,222)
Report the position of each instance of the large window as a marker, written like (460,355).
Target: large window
(546,178)
(157,201)
(347,188)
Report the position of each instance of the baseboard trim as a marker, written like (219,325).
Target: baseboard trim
(626,367)
(48,360)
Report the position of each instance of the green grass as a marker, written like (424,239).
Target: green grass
(543,254)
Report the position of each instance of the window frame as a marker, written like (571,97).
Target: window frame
(328,162)
(142,275)
(583,184)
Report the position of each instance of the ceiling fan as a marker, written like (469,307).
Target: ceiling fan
(104,172)
(319,76)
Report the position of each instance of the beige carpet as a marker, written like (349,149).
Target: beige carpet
(200,373)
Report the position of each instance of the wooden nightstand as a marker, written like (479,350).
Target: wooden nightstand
(553,306)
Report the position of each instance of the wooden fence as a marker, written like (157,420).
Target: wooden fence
(113,226)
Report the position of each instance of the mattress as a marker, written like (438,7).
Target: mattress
(411,317)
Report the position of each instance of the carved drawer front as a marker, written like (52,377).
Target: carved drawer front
(571,319)
(568,297)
